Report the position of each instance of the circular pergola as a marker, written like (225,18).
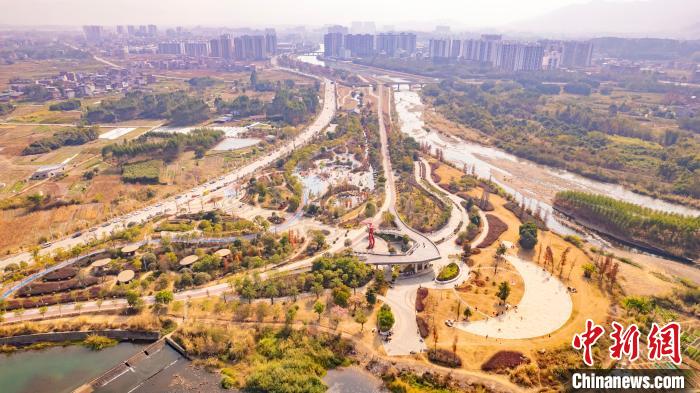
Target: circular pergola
(128,249)
(100,263)
(188,260)
(224,252)
(125,276)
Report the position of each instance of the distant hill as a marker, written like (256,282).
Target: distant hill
(653,18)
(646,48)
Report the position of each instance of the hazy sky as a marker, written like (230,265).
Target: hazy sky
(461,13)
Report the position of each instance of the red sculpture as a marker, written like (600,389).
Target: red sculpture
(370,228)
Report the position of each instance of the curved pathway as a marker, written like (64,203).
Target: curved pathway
(545,306)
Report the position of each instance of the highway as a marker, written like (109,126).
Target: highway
(212,188)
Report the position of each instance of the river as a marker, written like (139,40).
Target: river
(536,184)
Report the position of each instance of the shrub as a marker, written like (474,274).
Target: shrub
(502,360)
(575,240)
(448,272)
(444,358)
(228,382)
(97,343)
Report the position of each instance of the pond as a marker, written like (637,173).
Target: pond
(58,369)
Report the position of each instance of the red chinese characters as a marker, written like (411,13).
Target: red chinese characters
(625,342)
(662,342)
(587,339)
(665,342)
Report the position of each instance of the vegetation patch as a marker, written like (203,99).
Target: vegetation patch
(445,358)
(448,272)
(97,343)
(496,228)
(502,360)
(77,136)
(674,233)
(144,172)
(421,295)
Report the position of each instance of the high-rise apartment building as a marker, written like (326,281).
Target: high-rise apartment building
(333,44)
(249,47)
(270,42)
(197,48)
(393,44)
(439,48)
(93,33)
(455,49)
(171,48)
(215,47)
(359,44)
(152,30)
(226,46)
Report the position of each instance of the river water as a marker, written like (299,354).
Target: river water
(533,183)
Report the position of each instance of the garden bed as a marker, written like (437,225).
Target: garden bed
(502,360)
(448,272)
(496,228)
(445,358)
(421,294)
(43,288)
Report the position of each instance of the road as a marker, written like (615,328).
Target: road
(212,188)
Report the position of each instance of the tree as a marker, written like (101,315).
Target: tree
(528,235)
(164,297)
(134,300)
(319,308)
(385,318)
(317,289)
(370,209)
(271,291)
(503,291)
(246,289)
(361,318)
(500,252)
(43,310)
(467,313)
(291,314)
(588,270)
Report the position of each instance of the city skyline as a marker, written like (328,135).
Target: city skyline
(502,15)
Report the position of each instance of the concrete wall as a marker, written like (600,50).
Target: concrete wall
(120,335)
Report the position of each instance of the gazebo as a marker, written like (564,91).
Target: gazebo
(130,249)
(188,260)
(224,252)
(125,276)
(100,264)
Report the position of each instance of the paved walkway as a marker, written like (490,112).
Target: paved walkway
(545,306)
